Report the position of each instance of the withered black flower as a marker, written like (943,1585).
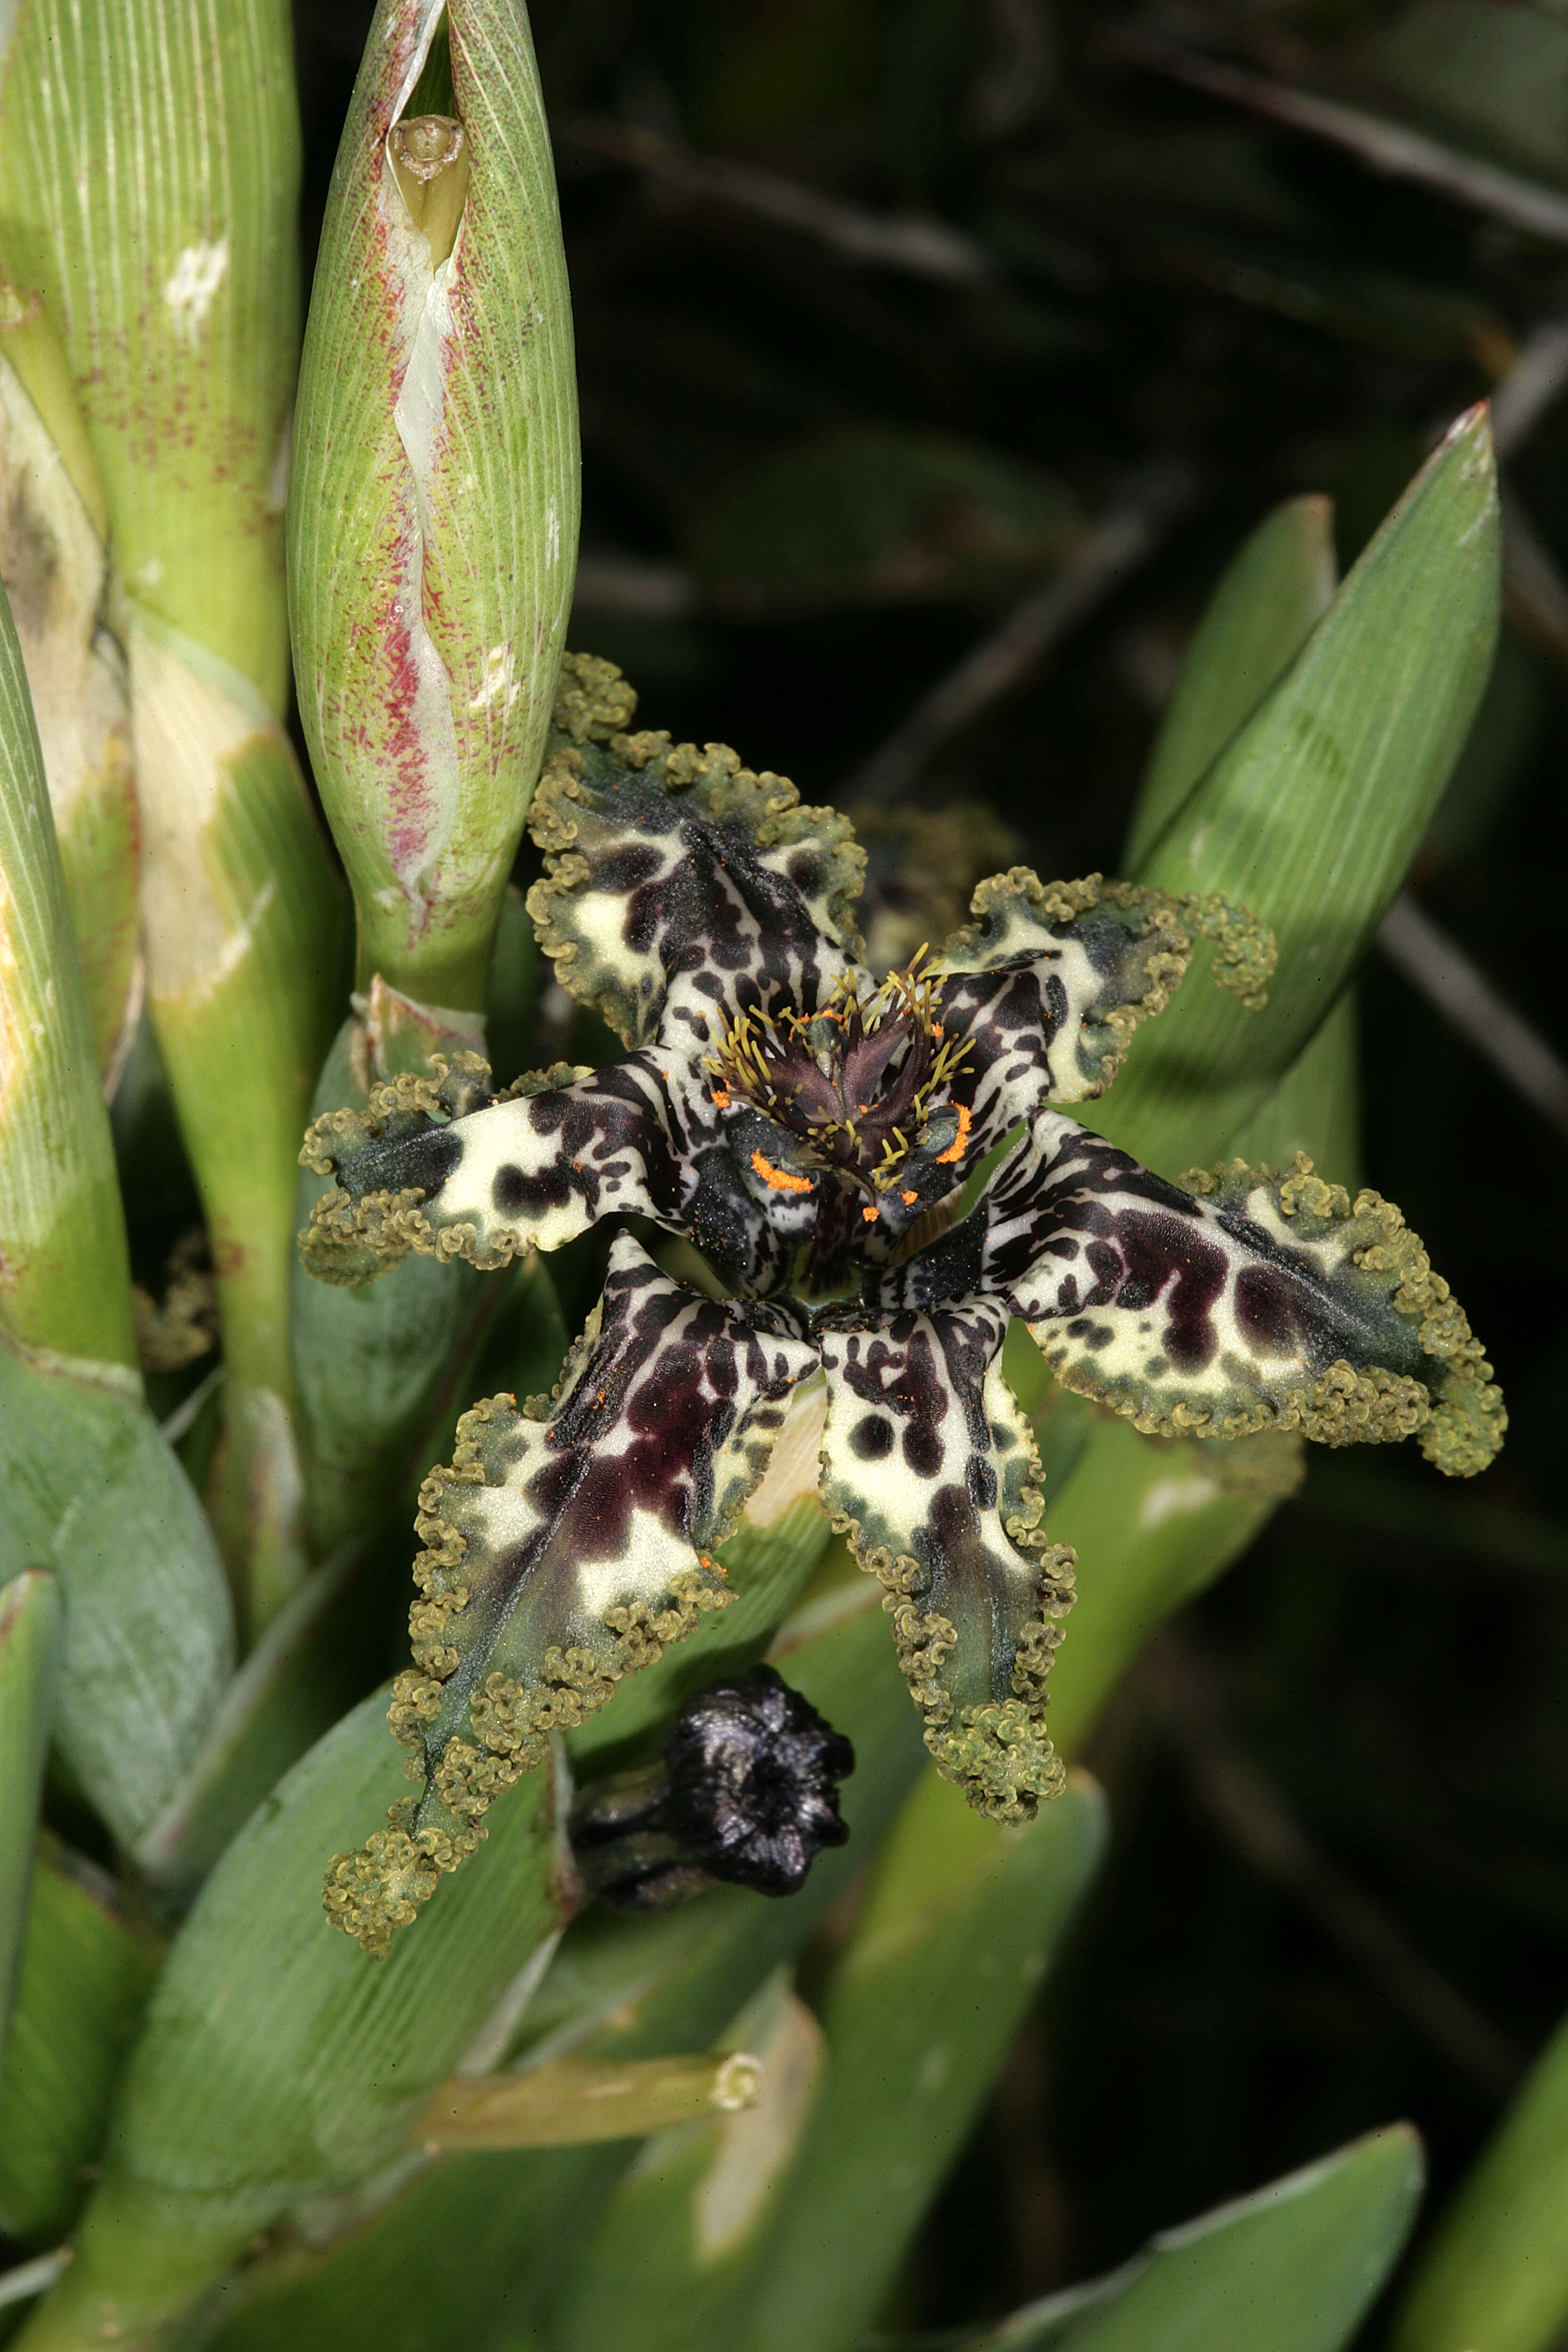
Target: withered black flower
(753,1771)
(816,1135)
(747,1793)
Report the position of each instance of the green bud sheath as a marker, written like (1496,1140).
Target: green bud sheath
(433,496)
(65,1281)
(167,267)
(55,564)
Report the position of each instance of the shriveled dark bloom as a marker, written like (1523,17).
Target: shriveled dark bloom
(813,1133)
(747,1793)
(753,1772)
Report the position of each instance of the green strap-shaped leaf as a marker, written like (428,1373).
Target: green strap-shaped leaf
(84,1983)
(1311,813)
(169,267)
(1496,2273)
(92,1492)
(1292,2268)
(29,1655)
(278,2061)
(785,2229)
(52,545)
(306,1671)
(174,290)
(62,1231)
(473,2245)
(1251,631)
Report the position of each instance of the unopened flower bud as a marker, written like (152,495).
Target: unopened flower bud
(433,508)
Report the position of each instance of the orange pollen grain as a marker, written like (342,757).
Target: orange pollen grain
(720,1096)
(779,1179)
(909,1199)
(956,1149)
(870,1215)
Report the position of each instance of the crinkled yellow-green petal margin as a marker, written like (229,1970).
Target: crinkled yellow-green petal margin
(1438,1386)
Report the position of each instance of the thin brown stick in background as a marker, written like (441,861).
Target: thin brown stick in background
(1382,146)
(1254,1818)
(924,248)
(1115,547)
(1423,951)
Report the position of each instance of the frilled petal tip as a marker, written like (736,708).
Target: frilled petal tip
(593,701)
(565,1546)
(395,1155)
(1274,1302)
(1105,957)
(674,872)
(929,1469)
(378,1888)
(1450,1402)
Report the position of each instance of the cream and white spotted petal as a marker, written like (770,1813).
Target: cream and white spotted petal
(1245,1302)
(562,1553)
(679,886)
(532,1171)
(928,1459)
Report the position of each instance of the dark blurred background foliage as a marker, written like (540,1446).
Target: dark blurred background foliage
(895,319)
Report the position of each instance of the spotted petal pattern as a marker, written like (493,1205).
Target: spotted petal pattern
(564,1552)
(931,1467)
(678,882)
(1244,1302)
(802,1127)
(537,1168)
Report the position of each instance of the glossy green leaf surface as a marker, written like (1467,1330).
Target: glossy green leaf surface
(62,1230)
(783,2226)
(1254,626)
(957,1930)
(1292,2268)
(276,2061)
(84,1981)
(472,2241)
(174,292)
(93,1493)
(29,1657)
(1495,2275)
(305,1672)
(1311,813)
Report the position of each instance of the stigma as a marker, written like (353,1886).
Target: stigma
(858,1085)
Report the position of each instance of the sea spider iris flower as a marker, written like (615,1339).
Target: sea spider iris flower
(813,1134)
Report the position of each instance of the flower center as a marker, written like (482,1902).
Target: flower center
(858,1084)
